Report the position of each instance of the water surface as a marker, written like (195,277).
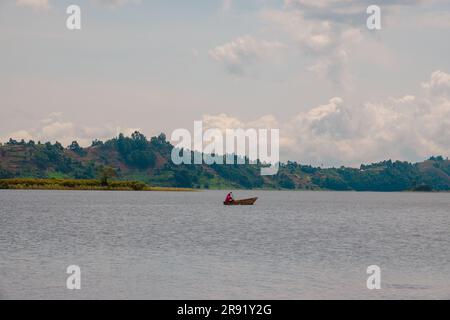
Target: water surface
(187,245)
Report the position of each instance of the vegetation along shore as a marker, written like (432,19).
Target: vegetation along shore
(80,184)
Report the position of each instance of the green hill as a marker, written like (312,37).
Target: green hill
(139,159)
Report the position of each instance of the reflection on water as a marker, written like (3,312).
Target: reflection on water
(160,245)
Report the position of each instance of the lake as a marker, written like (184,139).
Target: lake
(187,245)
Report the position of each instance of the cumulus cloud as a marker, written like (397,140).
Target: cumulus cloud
(326,43)
(327,32)
(238,54)
(54,128)
(439,83)
(223,121)
(411,127)
(18,135)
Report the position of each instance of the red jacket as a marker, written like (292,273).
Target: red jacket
(229,198)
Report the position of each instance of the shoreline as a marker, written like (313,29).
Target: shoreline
(175,189)
(148,189)
(124,185)
(81,185)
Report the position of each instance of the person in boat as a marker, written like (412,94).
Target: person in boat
(229,197)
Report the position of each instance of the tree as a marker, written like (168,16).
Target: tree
(75,147)
(139,140)
(41,159)
(12,142)
(286,182)
(159,140)
(162,137)
(59,146)
(96,143)
(107,173)
(183,179)
(5,174)
(141,159)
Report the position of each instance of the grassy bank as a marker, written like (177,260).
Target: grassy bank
(80,184)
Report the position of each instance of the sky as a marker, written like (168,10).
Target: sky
(339,93)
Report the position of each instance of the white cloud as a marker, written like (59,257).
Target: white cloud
(244,51)
(62,130)
(409,127)
(326,43)
(18,135)
(439,83)
(406,128)
(328,32)
(53,128)
(222,122)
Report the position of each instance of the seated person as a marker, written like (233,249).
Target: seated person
(229,197)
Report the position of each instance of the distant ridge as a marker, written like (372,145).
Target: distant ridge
(136,158)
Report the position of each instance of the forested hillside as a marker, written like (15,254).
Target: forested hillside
(137,158)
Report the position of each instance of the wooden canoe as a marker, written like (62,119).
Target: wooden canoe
(242,202)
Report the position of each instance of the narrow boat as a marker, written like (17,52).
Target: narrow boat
(242,202)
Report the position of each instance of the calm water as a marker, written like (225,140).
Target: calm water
(158,245)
